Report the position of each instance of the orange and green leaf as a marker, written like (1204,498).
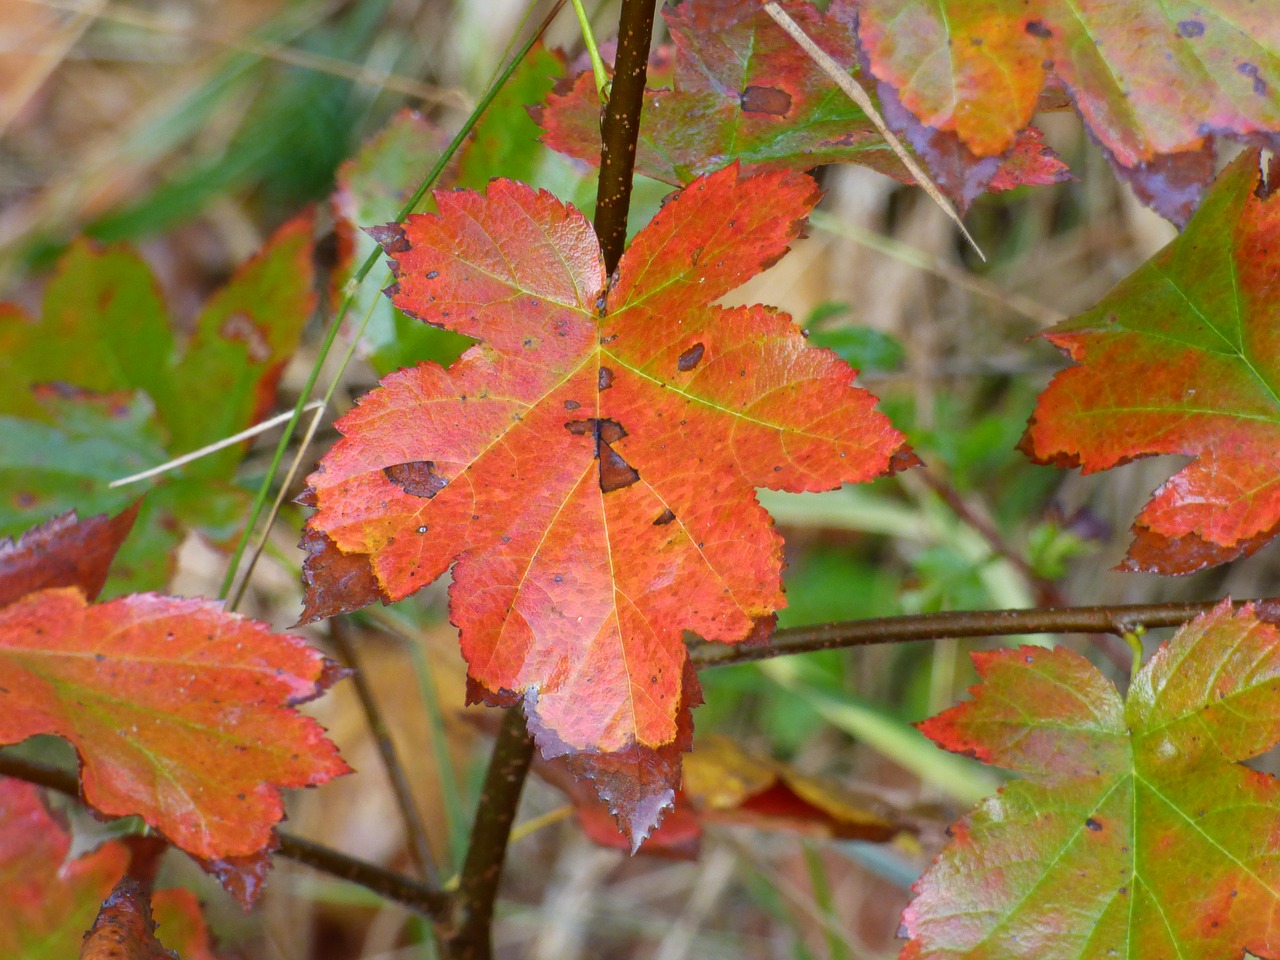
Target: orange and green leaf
(1154,82)
(1183,358)
(743,91)
(1136,829)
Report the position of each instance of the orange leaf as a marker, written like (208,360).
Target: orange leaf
(591,464)
(181,713)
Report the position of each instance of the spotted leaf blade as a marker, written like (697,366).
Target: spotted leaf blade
(1184,358)
(1154,82)
(591,464)
(1135,832)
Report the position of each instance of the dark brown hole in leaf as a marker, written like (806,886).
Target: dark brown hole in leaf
(690,358)
(605,379)
(578,428)
(758,99)
(666,517)
(1038,29)
(609,431)
(1093,825)
(615,473)
(571,404)
(418,478)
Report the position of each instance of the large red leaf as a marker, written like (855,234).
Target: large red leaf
(1154,82)
(591,463)
(743,90)
(1183,357)
(1136,831)
(182,714)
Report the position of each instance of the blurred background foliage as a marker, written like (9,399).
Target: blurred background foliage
(192,129)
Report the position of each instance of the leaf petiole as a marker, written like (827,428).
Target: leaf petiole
(593,51)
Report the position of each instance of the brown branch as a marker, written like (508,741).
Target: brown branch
(472,935)
(620,128)
(415,829)
(417,896)
(983,623)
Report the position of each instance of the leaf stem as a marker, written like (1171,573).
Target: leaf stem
(1118,620)
(620,128)
(420,897)
(415,829)
(472,936)
(593,51)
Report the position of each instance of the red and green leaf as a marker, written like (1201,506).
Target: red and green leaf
(1155,83)
(1137,830)
(1183,358)
(742,90)
(590,465)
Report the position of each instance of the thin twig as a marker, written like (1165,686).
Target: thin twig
(472,937)
(417,896)
(1117,620)
(620,128)
(208,449)
(854,91)
(415,829)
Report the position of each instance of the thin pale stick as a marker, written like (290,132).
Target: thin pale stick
(855,92)
(205,451)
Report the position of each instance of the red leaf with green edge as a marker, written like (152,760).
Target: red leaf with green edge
(1183,358)
(64,552)
(48,903)
(1136,830)
(1155,83)
(181,713)
(591,464)
(134,396)
(743,90)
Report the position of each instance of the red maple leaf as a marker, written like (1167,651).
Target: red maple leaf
(1183,358)
(1136,829)
(181,713)
(1154,82)
(590,464)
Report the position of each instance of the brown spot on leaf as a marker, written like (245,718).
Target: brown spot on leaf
(771,100)
(1190,28)
(690,358)
(615,473)
(1037,29)
(571,404)
(664,518)
(1093,825)
(418,478)
(579,428)
(604,380)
